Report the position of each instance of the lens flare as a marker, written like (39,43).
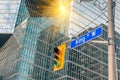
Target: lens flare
(62,8)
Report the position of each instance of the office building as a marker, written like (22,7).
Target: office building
(28,54)
(8,15)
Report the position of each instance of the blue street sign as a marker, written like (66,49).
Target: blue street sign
(87,37)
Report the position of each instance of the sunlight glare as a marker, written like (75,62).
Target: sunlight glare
(62,8)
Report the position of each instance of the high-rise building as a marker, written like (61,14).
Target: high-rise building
(8,15)
(28,54)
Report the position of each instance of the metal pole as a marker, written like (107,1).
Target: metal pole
(111,43)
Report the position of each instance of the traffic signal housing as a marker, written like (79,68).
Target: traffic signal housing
(59,57)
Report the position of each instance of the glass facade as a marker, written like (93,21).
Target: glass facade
(28,54)
(8,15)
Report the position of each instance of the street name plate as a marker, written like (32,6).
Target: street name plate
(86,37)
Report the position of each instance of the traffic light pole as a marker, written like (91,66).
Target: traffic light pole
(111,43)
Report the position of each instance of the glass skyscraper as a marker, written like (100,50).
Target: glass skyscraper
(28,54)
(8,15)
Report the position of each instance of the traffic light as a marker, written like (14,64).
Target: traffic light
(59,57)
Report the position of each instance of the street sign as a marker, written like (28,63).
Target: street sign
(86,37)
